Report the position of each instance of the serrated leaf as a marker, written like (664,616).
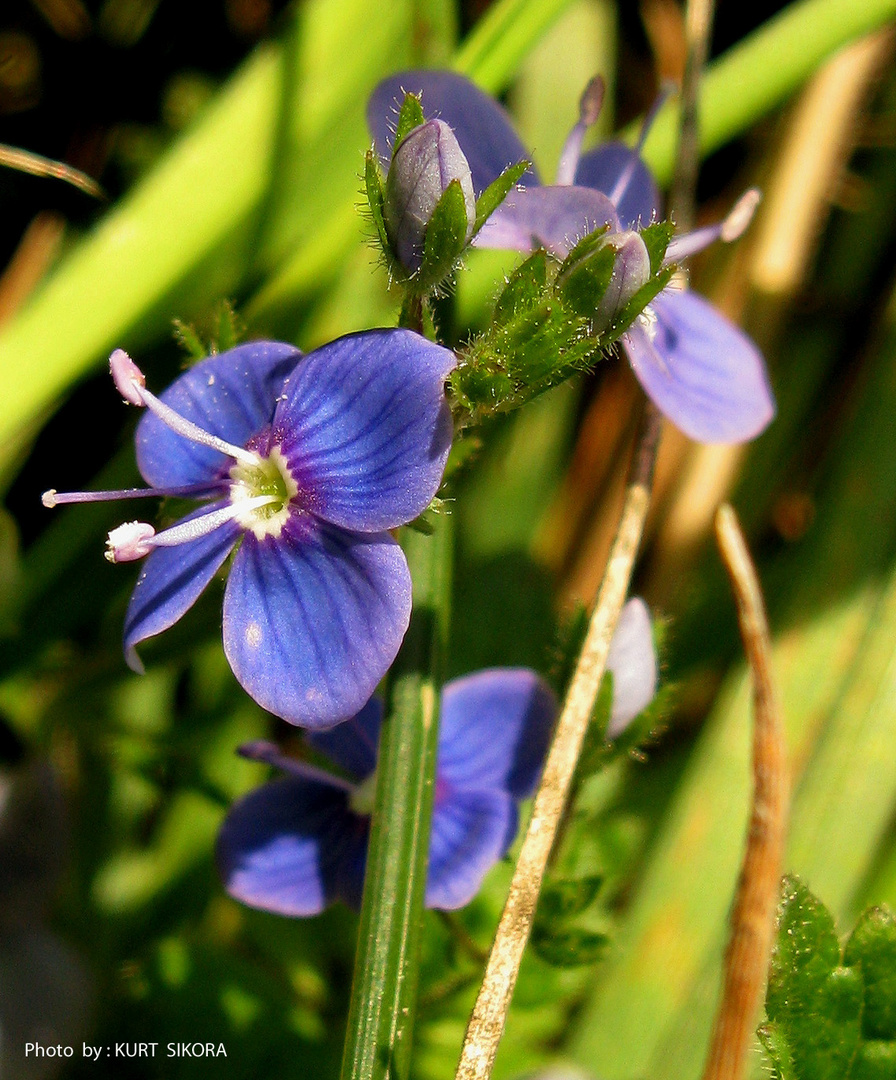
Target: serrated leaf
(410,116)
(570,948)
(446,237)
(496,192)
(872,946)
(816,1001)
(561,900)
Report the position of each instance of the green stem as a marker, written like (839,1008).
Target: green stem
(384,991)
(762,71)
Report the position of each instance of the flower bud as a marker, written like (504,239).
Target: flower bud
(426,161)
(603,274)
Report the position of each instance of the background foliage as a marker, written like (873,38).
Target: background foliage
(231,146)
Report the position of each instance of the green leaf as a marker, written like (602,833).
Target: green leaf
(564,899)
(635,306)
(583,287)
(831,1018)
(496,193)
(186,335)
(410,117)
(570,948)
(229,327)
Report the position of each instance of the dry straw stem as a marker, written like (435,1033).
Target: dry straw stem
(753,916)
(490,1012)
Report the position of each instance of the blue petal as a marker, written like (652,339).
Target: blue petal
(551,217)
(365,428)
(603,168)
(314,618)
(292,847)
(632,661)
(231,395)
(701,371)
(354,744)
(481,126)
(495,729)
(171,580)
(471,831)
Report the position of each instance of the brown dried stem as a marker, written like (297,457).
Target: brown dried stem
(753,916)
(490,1012)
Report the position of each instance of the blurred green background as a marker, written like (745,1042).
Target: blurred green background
(230,138)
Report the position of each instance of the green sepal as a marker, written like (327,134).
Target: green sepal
(872,945)
(656,237)
(524,289)
(187,336)
(496,192)
(373,186)
(410,116)
(583,286)
(445,239)
(229,327)
(635,306)
(574,947)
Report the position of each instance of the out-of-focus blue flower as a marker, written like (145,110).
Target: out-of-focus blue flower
(425,163)
(305,463)
(298,843)
(295,845)
(700,370)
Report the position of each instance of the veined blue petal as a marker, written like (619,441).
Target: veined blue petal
(365,428)
(494,731)
(632,661)
(483,129)
(171,581)
(354,744)
(616,165)
(552,217)
(471,831)
(292,846)
(314,617)
(701,371)
(231,395)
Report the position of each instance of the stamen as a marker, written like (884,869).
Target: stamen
(53,498)
(131,384)
(138,538)
(625,177)
(126,376)
(589,109)
(731,228)
(271,754)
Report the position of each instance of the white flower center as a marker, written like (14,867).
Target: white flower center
(268,476)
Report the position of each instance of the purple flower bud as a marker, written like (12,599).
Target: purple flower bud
(631,270)
(425,163)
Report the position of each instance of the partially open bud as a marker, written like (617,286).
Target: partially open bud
(427,160)
(602,275)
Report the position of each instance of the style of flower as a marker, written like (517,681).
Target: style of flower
(298,843)
(303,465)
(700,370)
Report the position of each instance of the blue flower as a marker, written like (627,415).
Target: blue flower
(303,465)
(299,843)
(699,369)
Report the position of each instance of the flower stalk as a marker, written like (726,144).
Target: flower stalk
(490,1011)
(384,990)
